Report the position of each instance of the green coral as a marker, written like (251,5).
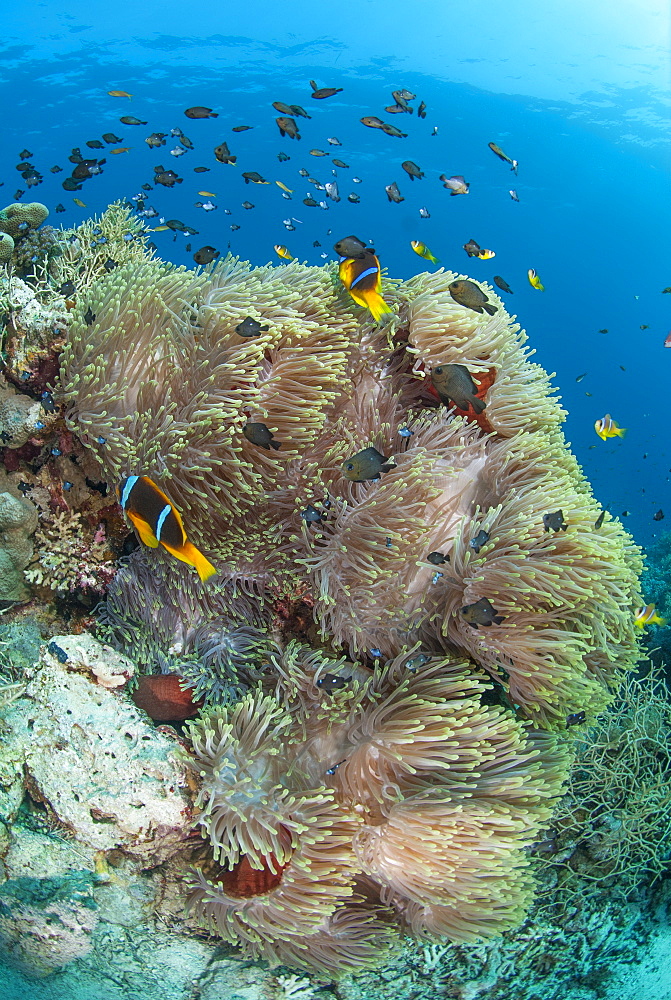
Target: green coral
(6,248)
(98,245)
(19,218)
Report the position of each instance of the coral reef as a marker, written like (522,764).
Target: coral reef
(612,828)
(21,417)
(22,242)
(67,560)
(97,246)
(395,796)
(126,928)
(35,322)
(479,606)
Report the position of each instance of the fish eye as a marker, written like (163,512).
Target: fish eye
(438,370)
(349,466)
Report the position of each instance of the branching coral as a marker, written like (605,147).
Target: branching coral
(96,246)
(333,809)
(69,556)
(613,826)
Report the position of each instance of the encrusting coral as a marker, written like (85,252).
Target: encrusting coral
(405,796)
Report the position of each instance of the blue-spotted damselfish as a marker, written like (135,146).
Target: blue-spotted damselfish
(158,522)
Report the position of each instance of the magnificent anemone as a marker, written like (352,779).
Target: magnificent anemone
(401,780)
(339,802)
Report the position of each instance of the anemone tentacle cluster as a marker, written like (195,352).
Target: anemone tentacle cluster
(523,611)
(398,798)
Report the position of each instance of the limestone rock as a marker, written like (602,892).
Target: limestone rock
(85,654)
(18,521)
(21,417)
(101,770)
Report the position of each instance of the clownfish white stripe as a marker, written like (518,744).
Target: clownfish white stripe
(364,274)
(159,523)
(128,486)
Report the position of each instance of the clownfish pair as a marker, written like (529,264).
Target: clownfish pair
(359,271)
(158,522)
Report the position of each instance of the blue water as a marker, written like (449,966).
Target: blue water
(577,96)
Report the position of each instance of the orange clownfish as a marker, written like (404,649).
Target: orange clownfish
(157,521)
(361,277)
(606,427)
(647,615)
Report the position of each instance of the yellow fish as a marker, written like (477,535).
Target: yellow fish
(282,252)
(284,187)
(119,93)
(158,522)
(207,194)
(488,254)
(607,428)
(534,280)
(79,202)
(648,616)
(362,279)
(159,229)
(120,149)
(423,251)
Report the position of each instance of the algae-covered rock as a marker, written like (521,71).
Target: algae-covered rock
(18,521)
(103,773)
(20,417)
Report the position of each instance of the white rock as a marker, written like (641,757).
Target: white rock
(103,772)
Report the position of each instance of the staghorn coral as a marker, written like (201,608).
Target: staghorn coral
(94,247)
(612,828)
(395,796)
(162,384)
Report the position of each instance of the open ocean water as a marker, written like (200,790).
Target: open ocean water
(577,93)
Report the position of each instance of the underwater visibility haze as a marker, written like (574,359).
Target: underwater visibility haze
(336,344)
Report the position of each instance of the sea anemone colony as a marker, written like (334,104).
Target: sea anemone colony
(469,602)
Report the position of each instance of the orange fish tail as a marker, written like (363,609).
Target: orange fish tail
(373,301)
(188,553)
